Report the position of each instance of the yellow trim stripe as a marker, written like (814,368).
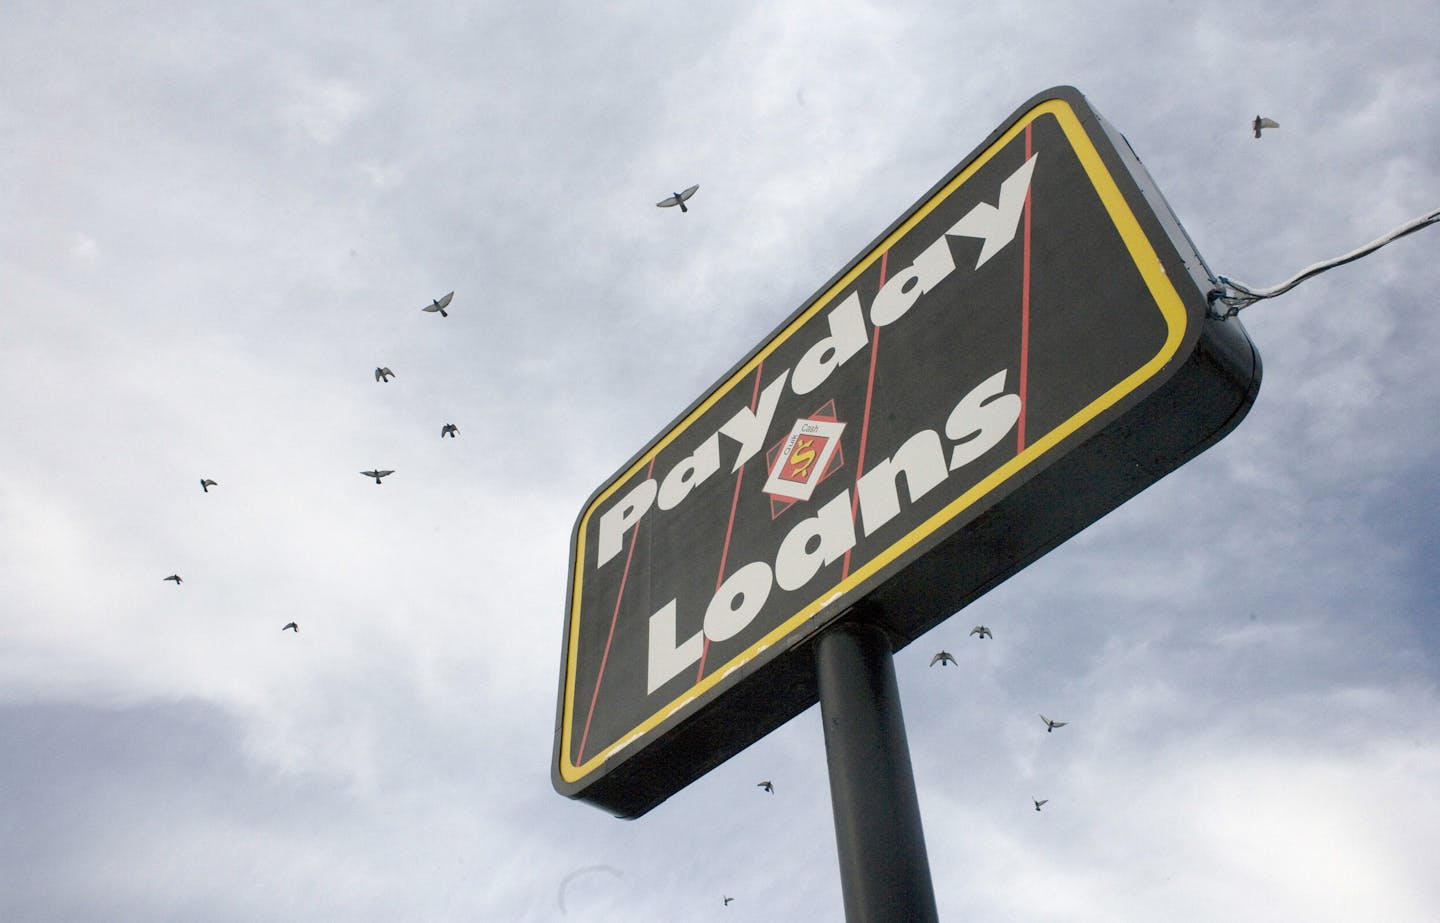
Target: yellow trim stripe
(1171,307)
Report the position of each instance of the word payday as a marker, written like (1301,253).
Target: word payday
(977,423)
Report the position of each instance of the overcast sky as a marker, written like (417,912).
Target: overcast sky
(217,219)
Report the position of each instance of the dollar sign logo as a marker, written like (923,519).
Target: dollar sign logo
(801,458)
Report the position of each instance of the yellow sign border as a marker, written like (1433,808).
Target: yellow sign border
(1168,300)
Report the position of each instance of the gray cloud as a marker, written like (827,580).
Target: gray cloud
(218,221)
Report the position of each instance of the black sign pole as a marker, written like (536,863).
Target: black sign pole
(884,871)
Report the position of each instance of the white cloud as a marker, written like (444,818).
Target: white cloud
(322,108)
(84,248)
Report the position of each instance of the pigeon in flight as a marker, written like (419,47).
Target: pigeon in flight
(377,475)
(291,626)
(766,785)
(439,304)
(1052,725)
(728,899)
(677,198)
(176,578)
(206,484)
(1040,802)
(449,429)
(384,374)
(1260,123)
(982,631)
(943,658)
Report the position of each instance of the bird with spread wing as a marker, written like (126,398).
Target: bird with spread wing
(677,198)
(439,304)
(1262,123)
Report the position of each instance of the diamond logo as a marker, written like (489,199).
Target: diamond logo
(804,458)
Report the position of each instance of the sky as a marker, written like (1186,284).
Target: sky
(216,220)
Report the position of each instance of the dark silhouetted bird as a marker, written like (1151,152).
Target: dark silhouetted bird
(377,475)
(728,900)
(1040,802)
(677,198)
(982,631)
(176,578)
(291,626)
(766,785)
(383,374)
(439,304)
(449,429)
(1261,123)
(943,658)
(1052,725)
(206,484)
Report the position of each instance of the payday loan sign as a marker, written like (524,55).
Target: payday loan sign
(1023,350)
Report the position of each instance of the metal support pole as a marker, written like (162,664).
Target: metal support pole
(884,872)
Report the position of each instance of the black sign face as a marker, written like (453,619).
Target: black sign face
(1026,348)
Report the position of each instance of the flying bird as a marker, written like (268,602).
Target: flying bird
(449,429)
(377,475)
(943,658)
(728,899)
(176,578)
(291,626)
(677,198)
(383,374)
(206,484)
(439,304)
(1040,802)
(1052,725)
(766,785)
(1260,123)
(982,631)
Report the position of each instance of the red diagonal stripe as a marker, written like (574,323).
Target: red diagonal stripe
(1024,313)
(865,421)
(610,638)
(730,526)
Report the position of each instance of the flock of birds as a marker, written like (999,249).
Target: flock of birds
(382,375)
(945,658)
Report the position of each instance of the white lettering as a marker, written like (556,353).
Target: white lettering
(996,226)
(847,337)
(748,427)
(976,424)
(921,458)
(902,290)
(797,562)
(667,658)
(738,601)
(693,470)
(981,419)
(619,518)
